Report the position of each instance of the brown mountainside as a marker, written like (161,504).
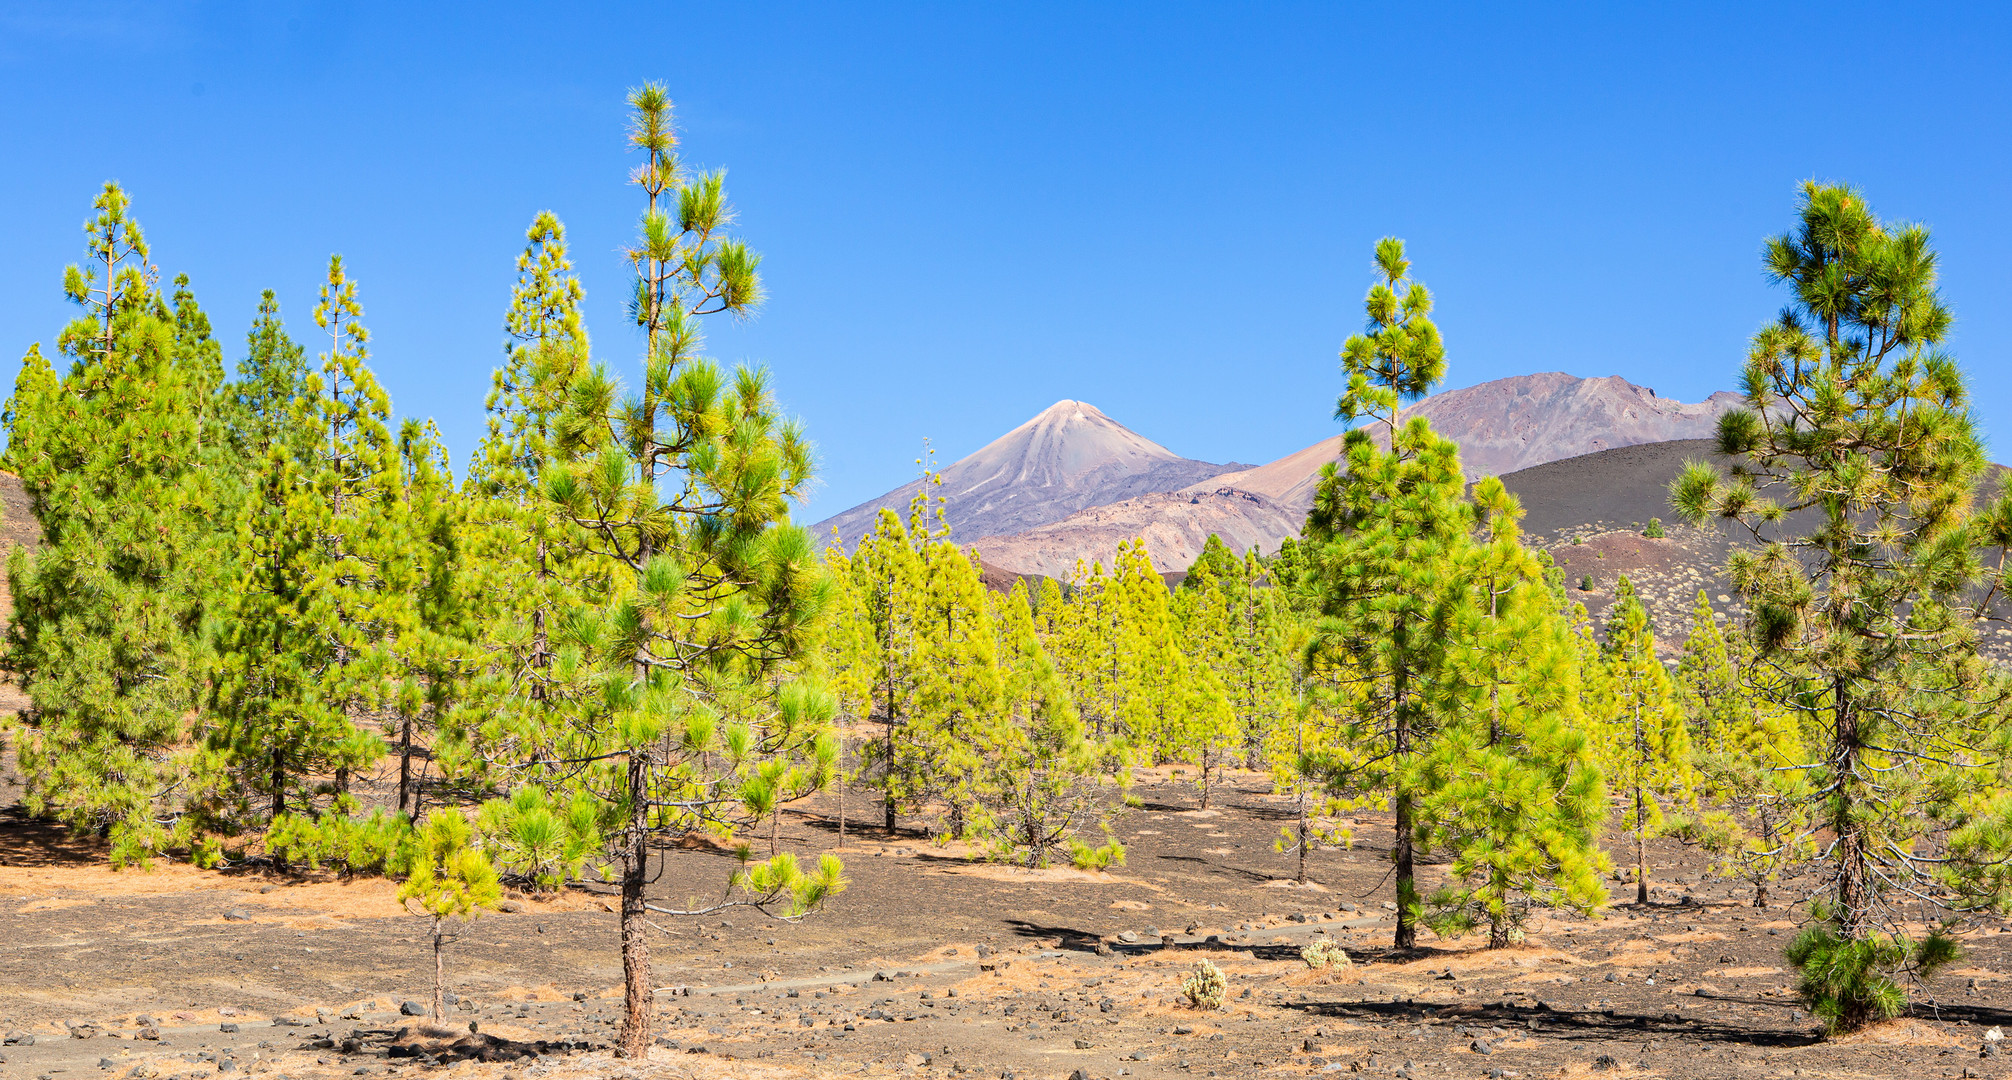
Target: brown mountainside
(1502,426)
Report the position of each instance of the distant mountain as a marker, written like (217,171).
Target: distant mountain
(1502,426)
(1068,458)
(1511,424)
(1174,524)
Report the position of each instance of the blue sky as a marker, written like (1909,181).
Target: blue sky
(968,212)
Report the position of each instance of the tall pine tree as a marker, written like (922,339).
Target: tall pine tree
(126,463)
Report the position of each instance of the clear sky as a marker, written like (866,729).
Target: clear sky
(970,211)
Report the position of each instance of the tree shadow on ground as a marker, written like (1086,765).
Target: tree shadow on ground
(1570,1025)
(33,843)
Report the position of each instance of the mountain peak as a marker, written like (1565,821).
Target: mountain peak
(1065,458)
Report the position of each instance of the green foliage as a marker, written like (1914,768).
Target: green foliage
(327,596)
(127,472)
(1848,982)
(373,844)
(1205,987)
(1654,531)
(538,842)
(1856,421)
(1644,739)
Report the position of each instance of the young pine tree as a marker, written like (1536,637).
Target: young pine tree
(1510,786)
(451,878)
(702,622)
(1856,421)
(1042,786)
(1753,762)
(1645,743)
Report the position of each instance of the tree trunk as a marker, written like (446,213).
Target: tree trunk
(1407,888)
(405,765)
(1302,838)
(635,945)
(1498,924)
(278,782)
(1853,886)
(1641,853)
(439,976)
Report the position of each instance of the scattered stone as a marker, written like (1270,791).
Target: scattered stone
(412,1008)
(1481,1046)
(20,1038)
(236,915)
(149,1033)
(510,907)
(228,1028)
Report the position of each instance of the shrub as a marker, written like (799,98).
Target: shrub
(1325,953)
(1850,982)
(1205,986)
(1586,583)
(537,842)
(1655,529)
(374,844)
(1085,857)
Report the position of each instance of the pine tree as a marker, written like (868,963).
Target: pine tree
(889,575)
(516,548)
(697,639)
(308,655)
(1042,785)
(450,878)
(1510,786)
(1855,417)
(1645,743)
(125,463)
(1753,761)
(1382,546)
(273,373)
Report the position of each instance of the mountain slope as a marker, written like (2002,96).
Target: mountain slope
(1067,458)
(1502,426)
(1174,525)
(1511,424)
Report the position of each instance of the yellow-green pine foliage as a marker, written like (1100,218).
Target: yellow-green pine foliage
(698,622)
(1043,786)
(1857,420)
(1645,743)
(1170,711)
(958,700)
(889,576)
(438,661)
(518,563)
(1753,759)
(450,878)
(128,468)
(1231,629)
(309,652)
(1090,637)
(1382,551)
(1510,786)
(1855,417)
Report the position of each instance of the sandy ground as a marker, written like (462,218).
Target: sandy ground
(931,965)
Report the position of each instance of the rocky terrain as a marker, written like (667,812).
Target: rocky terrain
(931,965)
(1174,524)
